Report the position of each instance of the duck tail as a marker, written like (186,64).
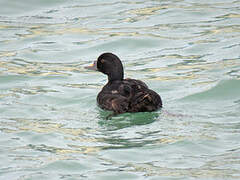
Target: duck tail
(146,101)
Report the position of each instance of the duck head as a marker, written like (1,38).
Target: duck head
(108,64)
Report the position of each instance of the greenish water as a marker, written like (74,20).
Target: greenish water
(186,50)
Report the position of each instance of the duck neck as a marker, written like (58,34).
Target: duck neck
(115,75)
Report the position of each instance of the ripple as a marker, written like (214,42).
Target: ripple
(20,66)
(224,90)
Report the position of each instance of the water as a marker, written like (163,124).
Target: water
(186,50)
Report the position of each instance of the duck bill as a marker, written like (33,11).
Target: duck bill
(93,66)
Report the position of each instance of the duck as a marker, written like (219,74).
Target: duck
(121,95)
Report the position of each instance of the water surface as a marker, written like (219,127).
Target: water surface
(186,50)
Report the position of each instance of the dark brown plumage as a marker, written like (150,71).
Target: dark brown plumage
(123,95)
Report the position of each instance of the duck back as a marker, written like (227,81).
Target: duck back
(128,95)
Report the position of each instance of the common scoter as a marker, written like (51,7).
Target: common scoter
(123,95)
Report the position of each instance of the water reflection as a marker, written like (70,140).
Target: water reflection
(127,119)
